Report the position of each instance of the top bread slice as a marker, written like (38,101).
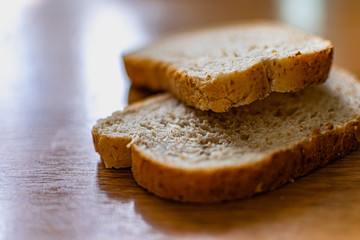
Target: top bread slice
(185,154)
(228,66)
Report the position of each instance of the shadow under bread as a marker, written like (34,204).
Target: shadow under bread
(136,94)
(306,196)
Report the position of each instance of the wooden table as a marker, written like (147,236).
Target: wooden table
(60,70)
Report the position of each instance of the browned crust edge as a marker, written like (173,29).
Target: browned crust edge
(238,88)
(238,182)
(113,151)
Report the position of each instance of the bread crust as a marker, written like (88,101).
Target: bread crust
(230,183)
(237,88)
(113,151)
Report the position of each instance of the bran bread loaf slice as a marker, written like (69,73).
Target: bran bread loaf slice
(182,153)
(231,65)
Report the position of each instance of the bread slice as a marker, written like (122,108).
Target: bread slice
(181,153)
(232,65)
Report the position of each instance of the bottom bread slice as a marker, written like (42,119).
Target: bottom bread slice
(181,153)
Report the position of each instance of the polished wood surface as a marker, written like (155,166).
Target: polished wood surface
(60,70)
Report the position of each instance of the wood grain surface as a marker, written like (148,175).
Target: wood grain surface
(60,70)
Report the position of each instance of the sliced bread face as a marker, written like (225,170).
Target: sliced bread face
(228,66)
(181,153)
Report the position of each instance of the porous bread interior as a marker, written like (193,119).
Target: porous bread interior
(179,136)
(207,53)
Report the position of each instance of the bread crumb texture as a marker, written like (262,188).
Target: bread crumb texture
(229,66)
(235,154)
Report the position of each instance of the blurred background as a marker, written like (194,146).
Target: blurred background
(50,50)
